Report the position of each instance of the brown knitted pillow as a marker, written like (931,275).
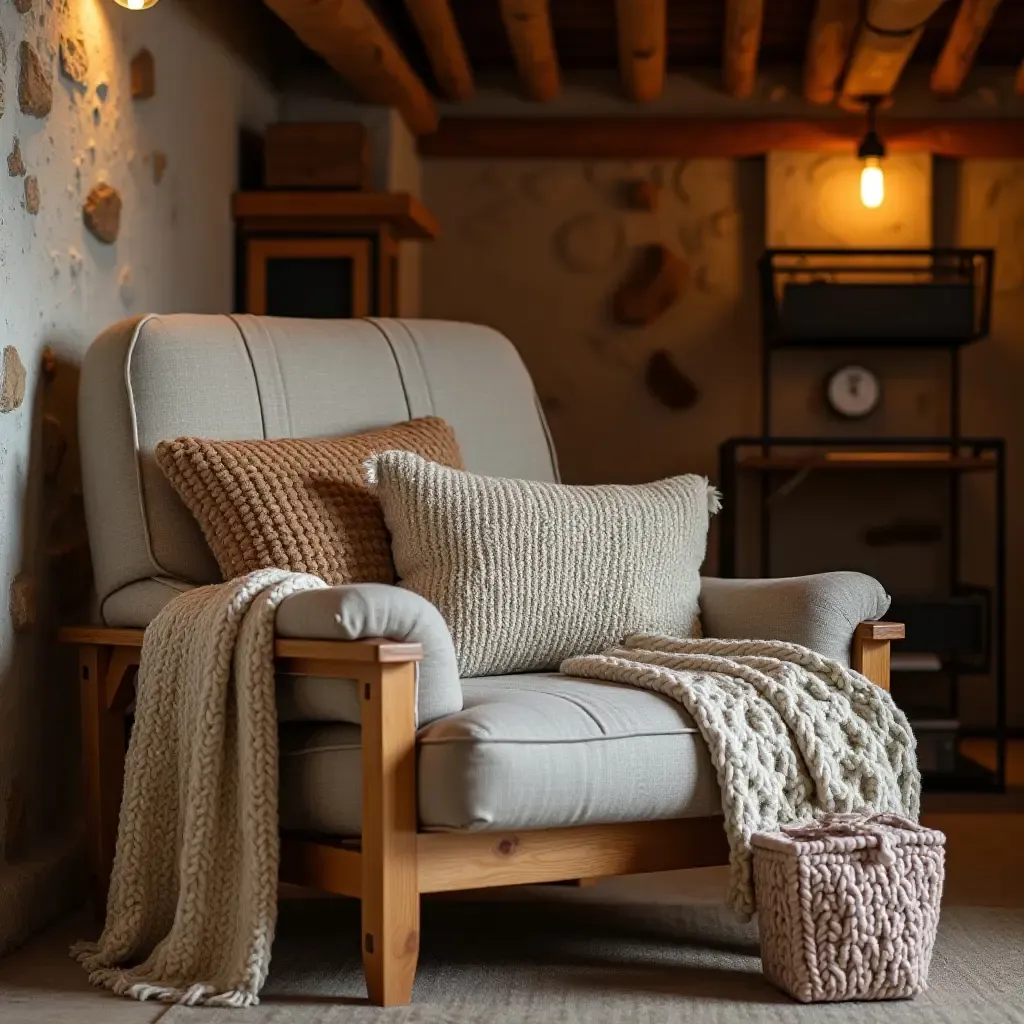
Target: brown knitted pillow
(297,503)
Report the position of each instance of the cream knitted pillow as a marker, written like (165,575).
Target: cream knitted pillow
(527,574)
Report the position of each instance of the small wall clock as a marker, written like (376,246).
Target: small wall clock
(853,392)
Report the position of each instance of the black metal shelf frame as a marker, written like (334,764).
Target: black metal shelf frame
(971,269)
(992,449)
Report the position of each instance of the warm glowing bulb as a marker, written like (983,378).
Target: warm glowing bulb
(872,183)
(136,5)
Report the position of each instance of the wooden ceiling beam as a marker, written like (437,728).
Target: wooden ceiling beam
(436,25)
(888,34)
(642,37)
(528,24)
(742,40)
(965,36)
(828,46)
(349,36)
(629,138)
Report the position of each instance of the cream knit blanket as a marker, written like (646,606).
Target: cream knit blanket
(791,733)
(193,896)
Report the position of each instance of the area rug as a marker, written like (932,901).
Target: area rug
(597,963)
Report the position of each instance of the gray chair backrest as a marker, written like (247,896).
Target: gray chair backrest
(239,377)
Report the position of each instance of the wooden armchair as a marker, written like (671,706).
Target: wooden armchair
(371,668)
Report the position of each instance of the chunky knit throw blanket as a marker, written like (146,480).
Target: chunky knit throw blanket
(791,734)
(193,895)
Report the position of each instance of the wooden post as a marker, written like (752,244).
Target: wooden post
(528,24)
(965,35)
(870,653)
(444,47)
(390,883)
(351,38)
(828,46)
(888,35)
(743,21)
(642,37)
(103,749)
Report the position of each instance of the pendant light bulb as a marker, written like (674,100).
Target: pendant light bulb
(872,183)
(871,150)
(136,5)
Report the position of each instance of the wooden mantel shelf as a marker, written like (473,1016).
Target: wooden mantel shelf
(406,217)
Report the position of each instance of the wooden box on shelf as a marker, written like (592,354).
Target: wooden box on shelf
(326,254)
(331,155)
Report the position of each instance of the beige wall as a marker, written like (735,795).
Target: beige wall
(537,249)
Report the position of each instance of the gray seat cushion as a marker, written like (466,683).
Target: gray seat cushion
(538,750)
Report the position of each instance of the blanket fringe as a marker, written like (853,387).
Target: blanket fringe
(123,982)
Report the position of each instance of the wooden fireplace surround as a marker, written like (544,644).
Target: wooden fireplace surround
(394,862)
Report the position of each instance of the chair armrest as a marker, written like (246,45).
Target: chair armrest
(870,652)
(821,612)
(368,611)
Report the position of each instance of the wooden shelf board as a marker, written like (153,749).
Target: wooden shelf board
(935,461)
(407,217)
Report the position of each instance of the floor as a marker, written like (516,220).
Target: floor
(40,984)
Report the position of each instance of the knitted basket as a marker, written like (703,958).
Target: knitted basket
(848,906)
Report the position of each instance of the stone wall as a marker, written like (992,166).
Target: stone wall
(170,163)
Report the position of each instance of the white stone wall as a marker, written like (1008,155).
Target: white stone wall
(172,158)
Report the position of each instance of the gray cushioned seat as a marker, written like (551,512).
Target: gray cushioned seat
(527,751)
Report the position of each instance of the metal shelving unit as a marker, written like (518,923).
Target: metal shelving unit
(884,300)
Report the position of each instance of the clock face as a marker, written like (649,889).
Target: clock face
(854,391)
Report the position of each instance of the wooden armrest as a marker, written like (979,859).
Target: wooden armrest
(870,652)
(881,631)
(372,650)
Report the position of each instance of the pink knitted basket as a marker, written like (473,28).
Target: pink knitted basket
(848,906)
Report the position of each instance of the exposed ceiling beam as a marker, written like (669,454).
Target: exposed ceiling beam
(828,45)
(443,44)
(888,34)
(743,20)
(528,24)
(965,35)
(641,31)
(629,138)
(348,35)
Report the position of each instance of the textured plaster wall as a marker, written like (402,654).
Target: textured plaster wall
(59,287)
(537,250)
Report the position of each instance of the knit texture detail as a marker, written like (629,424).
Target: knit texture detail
(297,503)
(527,573)
(790,733)
(848,906)
(193,893)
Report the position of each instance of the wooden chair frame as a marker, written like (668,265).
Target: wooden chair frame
(394,862)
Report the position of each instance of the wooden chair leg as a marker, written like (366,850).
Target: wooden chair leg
(390,884)
(103,751)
